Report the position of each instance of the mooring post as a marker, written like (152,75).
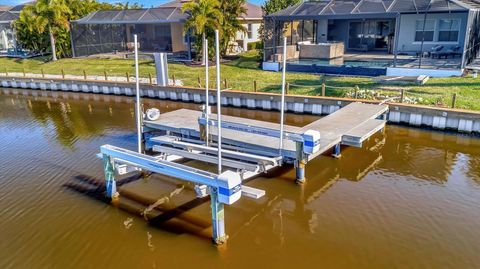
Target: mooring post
(111,185)
(454,100)
(337,151)
(84,74)
(218,218)
(254,86)
(300,163)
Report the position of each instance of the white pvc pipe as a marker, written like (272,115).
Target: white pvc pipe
(207,126)
(219,102)
(282,105)
(137,99)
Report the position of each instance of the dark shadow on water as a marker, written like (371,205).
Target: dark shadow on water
(169,220)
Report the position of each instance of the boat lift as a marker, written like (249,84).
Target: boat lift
(224,187)
(249,148)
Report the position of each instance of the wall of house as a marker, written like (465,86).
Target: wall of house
(406,36)
(243,37)
(178,42)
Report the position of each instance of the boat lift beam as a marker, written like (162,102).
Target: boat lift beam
(225,188)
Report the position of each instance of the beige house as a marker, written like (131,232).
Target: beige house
(251,21)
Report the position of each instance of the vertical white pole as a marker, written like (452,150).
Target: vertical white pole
(137,100)
(282,105)
(219,102)
(207,127)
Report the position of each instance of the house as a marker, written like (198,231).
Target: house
(159,29)
(376,37)
(106,31)
(7,32)
(251,21)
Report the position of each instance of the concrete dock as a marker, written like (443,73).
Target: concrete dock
(350,125)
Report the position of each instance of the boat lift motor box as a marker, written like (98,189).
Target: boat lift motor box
(311,141)
(229,187)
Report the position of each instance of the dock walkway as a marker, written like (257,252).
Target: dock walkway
(349,125)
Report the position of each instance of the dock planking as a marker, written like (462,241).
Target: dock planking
(356,121)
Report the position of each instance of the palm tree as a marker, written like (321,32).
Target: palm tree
(205,17)
(52,15)
(231,10)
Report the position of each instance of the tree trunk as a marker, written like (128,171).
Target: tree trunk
(203,49)
(52,44)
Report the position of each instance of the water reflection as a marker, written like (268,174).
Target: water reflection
(404,190)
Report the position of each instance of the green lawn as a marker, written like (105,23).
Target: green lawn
(242,72)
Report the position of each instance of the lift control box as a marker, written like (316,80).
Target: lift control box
(311,141)
(229,187)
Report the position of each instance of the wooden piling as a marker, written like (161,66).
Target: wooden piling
(6,72)
(454,100)
(84,74)
(24,72)
(355,95)
(199,81)
(402,95)
(43,73)
(150,78)
(254,86)
(174,80)
(287,88)
(128,76)
(63,74)
(105,74)
(226,83)
(323,87)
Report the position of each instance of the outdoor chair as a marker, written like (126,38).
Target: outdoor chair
(437,51)
(454,51)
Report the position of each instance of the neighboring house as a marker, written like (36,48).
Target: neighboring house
(107,31)
(432,34)
(159,29)
(251,21)
(7,32)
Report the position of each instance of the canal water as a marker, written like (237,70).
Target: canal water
(409,198)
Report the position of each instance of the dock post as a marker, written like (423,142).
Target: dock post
(111,185)
(337,151)
(218,218)
(300,163)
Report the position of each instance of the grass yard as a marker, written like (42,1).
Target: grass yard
(242,72)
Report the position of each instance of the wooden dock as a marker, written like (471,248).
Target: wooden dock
(350,125)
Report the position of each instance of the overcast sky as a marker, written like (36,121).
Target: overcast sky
(146,3)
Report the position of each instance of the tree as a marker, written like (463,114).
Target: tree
(272,6)
(205,18)
(232,10)
(45,24)
(52,16)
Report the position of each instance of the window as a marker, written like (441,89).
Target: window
(448,30)
(424,30)
(249,31)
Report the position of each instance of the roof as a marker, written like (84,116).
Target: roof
(18,8)
(253,11)
(332,8)
(134,16)
(7,16)
(5,8)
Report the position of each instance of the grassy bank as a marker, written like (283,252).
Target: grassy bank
(242,72)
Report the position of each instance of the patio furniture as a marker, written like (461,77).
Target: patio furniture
(436,51)
(454,51)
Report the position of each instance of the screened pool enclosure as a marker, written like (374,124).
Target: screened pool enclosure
(110,31)
(431,34)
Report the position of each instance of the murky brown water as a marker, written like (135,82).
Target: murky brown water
(409,199)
